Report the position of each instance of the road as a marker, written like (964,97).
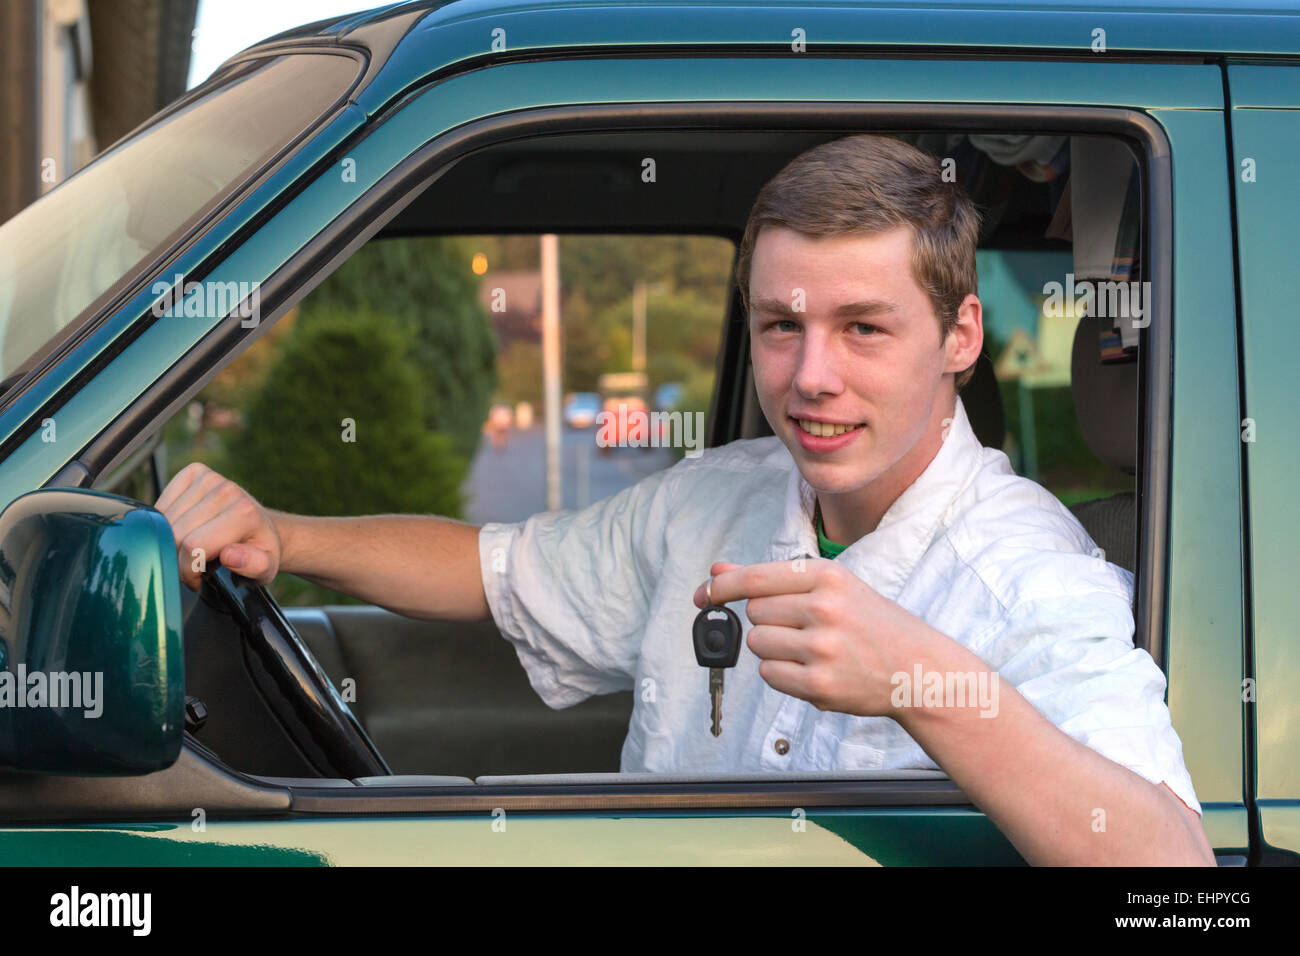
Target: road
(509,483)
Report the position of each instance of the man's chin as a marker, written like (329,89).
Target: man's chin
(833,478)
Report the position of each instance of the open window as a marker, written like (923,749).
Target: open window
(1059,393)
(1065,297)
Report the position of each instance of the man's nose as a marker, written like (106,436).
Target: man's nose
(818,372)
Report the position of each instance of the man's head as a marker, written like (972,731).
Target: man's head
(857,273)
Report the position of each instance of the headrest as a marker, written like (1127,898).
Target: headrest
(983,401)
(1105,397)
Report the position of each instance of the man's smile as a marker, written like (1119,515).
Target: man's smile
(816,435)
(824,429)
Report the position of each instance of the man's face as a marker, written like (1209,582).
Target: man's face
(865,352)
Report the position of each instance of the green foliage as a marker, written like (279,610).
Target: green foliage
(292,453)
(589,343)
(521,374)
(1066,465)
(696,396)
(607,270)
(425,288)
(599,274)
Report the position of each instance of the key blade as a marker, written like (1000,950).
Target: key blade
(715,694)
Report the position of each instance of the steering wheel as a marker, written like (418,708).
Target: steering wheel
(300,695)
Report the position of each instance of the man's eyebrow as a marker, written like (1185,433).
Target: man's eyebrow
(865,307)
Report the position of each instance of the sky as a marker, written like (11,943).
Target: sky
(224,27)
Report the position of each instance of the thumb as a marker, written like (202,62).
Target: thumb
(252,563)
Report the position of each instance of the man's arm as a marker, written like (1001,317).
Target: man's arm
(416,565)
(827,637)
(1058,801)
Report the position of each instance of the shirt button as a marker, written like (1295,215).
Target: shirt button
(782,746)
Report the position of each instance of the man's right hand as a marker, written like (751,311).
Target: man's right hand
(215,519)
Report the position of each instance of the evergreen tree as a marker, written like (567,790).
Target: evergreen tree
(425,287)
(296,451)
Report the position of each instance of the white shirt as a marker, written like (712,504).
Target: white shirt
(600,600)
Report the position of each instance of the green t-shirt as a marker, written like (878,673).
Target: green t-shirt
(828,548)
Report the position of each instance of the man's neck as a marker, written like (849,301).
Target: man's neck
(855,514)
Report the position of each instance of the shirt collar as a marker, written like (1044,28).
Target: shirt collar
(886,557)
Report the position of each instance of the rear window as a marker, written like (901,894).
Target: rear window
(67,251)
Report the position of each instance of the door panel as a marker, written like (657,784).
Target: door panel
(1266,140)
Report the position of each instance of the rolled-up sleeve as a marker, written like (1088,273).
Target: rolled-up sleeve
(572,590)
(1074,659)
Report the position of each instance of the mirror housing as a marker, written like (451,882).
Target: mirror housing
(92,671)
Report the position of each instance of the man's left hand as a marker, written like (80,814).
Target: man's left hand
(824,634)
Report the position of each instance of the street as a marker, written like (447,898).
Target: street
(509,483)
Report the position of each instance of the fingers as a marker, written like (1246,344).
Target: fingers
(701,597)
(769,578)
(789,678)
(212,518)
(181,483)
(228,530)
(771,642)
(782,610)
(200,504)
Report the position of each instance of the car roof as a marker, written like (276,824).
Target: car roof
(410,42)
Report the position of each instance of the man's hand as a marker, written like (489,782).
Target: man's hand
(213,518)
(824,635)
(827,637)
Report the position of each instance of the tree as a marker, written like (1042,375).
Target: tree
(425,287)
(336,427)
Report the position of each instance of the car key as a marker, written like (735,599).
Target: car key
(717,647)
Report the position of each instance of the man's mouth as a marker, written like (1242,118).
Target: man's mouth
(825,429)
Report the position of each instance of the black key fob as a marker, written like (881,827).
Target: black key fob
(717,637)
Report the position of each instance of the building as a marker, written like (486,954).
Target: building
(78,75)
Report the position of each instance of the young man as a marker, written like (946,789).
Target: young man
(966,626)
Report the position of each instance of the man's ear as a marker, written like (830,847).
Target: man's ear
(966,338)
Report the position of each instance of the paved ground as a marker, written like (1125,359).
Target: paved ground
(509,483)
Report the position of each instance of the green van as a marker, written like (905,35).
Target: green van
(236,730)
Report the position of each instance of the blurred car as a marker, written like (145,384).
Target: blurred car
(581,409)
(624,421)
(628,423)
(499,419)
(668,395)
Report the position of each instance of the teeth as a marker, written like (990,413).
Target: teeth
(824,429)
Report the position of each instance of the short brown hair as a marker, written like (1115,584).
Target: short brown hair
(866,184)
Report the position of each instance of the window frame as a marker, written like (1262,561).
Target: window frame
(333,245)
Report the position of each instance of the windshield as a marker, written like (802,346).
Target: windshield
(64,253)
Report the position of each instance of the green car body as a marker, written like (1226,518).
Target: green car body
(1213,92)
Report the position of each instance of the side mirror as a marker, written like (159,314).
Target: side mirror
(92,673)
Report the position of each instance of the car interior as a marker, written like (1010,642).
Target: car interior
(451,701)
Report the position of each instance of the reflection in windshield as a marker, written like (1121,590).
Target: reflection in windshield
(65,251)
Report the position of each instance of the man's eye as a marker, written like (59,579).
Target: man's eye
(786,325)
(864,328)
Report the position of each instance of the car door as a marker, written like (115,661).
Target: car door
(1265,129)
(1175,111)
